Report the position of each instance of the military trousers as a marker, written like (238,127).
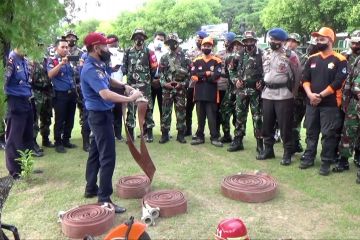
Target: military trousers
(227,109)
(176,98)
(42,114)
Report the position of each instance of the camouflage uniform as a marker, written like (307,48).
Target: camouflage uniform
(175,67)
(140,66)
(248,68)
(2,134)
(43,94)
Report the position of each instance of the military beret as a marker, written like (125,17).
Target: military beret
(202,34)
(278,34)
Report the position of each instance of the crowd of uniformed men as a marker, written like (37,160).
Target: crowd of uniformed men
(281,85)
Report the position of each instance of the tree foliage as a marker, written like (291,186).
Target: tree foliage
(306,16)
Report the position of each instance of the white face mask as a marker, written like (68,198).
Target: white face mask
(158,43)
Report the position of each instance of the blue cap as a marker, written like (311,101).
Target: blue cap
(230,36)
(278,34)
(202,34)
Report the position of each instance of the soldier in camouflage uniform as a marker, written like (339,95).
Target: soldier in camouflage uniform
(351,55)
(140,66)
(351,127)
(292,43)
(43,94)
(226,108)
(175,72)
(247,76)
(74,50)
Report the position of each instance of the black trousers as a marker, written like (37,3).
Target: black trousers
(102,155)
(19,131)
(327,121)
(206,110)
(280,111)
(157,93)
(64,107)
(118,114)
(189,107)
(218,114)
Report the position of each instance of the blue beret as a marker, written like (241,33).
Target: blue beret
(202,34)
(278,34)
(230,36)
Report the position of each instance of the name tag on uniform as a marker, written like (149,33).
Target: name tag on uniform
(313,65)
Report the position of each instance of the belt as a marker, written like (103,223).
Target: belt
(276,85)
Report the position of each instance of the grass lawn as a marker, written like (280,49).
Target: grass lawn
(308,206)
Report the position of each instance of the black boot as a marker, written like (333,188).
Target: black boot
(149,137)
(342,165)
(47,143)
(226,138)
(286,161)
(259,145)
(357,157)
(164,137)
(86,143)
(180,137)
(268,153)
(325,168)
(236,145)
(37,148)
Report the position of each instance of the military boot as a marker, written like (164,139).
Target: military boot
(286,161)
(325,168)
(236,145)
(180,137)
(86,143)
(259,145)
(226,138)
(342,165)
(268,153)
(164,137)
(149,136)
(357,157)
(47,143)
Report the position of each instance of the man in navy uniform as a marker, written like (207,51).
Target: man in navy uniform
(61,74)
(99,101)
(19,120)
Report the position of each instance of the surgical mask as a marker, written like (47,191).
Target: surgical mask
(322,46)
(104,56)
(356,50)
(158,44)
(249,48)
(206,51)
(72,43)
(275,46)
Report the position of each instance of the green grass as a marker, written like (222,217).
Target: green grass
(308,206)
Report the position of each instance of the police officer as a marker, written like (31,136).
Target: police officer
(323,77)
(192,54)
(205,71)
(292,43)
(281,76)
(247,75)
(95,83)
(61,74)
(226,107)
(175,72)
(19,120)
(140,66)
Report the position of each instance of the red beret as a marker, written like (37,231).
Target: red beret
(95,38)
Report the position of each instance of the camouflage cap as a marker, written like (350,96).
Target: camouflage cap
(355,39)
(174,37)
(295,36)
(249,35)
(71,32)
(138,31)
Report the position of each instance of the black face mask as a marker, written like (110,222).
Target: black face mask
(105,56)
(356,50)
(139,42)
(322,46)
(275,46)
(173,46)
(249,48)
(206,51)
(72,43)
